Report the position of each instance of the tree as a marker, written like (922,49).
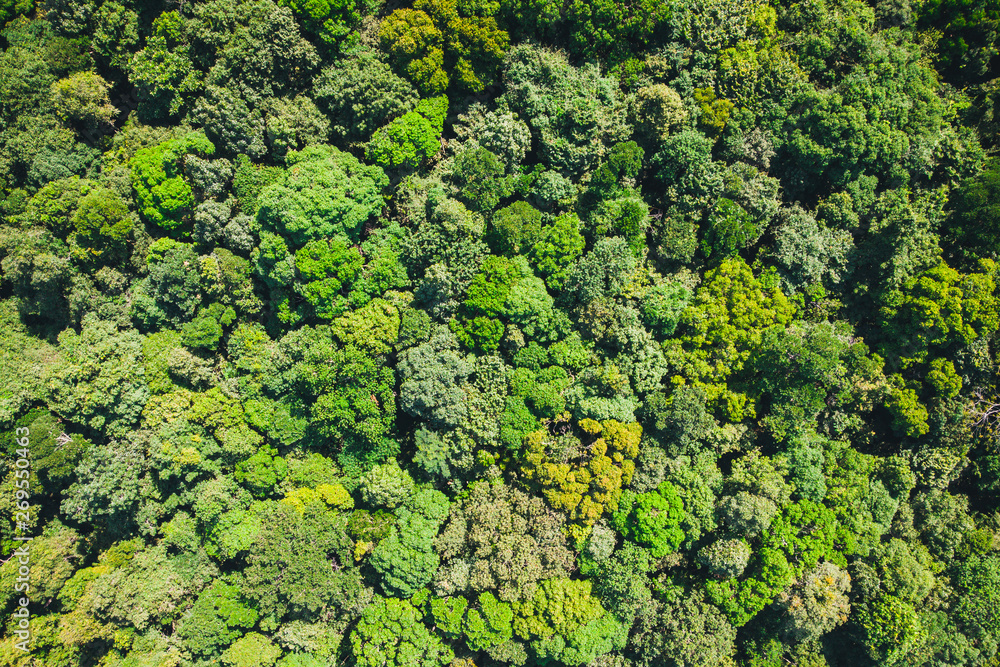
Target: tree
(730,230)
(295,562)
(409,141)
(558,245)
(251,650)
(746,514)
(976,610)
(723,323)
(488,625)
(604,272)
(326,268)
(415,43)
(477,327)
(323,193)
(584,484)
(293,124)
(725,558)
(391,633)
(116,34)
(938,309)
(36,268)
(230,122)
(215,620)
(500,132)
(11,8)
(479,175)
(968,44)
(621,582)
(103,223)
(387,485)
(653,520)
(540,83)
(891,629)
(406,561)
(437,44)
(83,98)
(99,381)
(174,284)
(331,21)
(163,71)
(808,251)
(655,111)
(815,604)
(500,539)
(566,623)
(149,588)
(431,380)
(360,93)
(165,199)
(354,401)
(687,630)
(515,228)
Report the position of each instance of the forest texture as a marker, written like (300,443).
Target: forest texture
(458,333)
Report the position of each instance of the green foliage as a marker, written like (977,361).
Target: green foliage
(976,609)
(11,8)
(939,309)
(261,472)
(722,325)
(730,230)
(163,70)
(360,93)
(323,193)
(656,110)
(662,306)
(331,21)
(725,559)
(325,269)
(387,485)
(559,606)
(688,630)
(891,629)
(506,332)
(621,581)
(408,142)
(500,539)
(486,297)
(98,381)
(715,112)
(816,604)
(102,222)
(968,40)
(354,402)
(653,520)
(390,633)
(406,561)
(490,624)
(251,650)
(83,98)
(515,228)
(216,620)
(165,199)
(479,175)
(591,485)
(558,245)
(288,560)
(604,272)
(438,44)
(541,84)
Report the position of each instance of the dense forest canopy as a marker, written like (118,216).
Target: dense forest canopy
(611,333)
